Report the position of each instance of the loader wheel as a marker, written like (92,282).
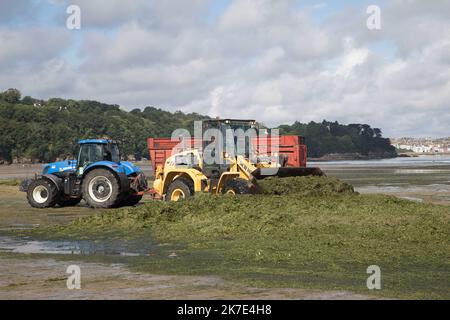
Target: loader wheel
(131,200)
(236,186)
(101,189)
(68,202)
(180,189)
(42,193)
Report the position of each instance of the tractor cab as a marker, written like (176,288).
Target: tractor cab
(96,150)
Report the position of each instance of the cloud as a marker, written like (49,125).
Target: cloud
(110,13)
(12,10)
(173,14)
(29,46)
(268,60)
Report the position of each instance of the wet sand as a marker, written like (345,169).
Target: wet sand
(19,171)
(45,278)
(420,179)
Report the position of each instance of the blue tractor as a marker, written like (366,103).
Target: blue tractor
(98,176)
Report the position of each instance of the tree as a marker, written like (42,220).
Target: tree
(11,95)
(331,137)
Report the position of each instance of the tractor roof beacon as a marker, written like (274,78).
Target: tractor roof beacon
(98,176)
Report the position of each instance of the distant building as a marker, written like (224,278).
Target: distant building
(422,145)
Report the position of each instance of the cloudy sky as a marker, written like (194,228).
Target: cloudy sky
(273,60)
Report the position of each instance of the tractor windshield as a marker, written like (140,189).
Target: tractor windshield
(92,152)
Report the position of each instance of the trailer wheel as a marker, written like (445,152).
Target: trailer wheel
(42,193)
(68,202)
(236,186)
(101,189)
(180,189)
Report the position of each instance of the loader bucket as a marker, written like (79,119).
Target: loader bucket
(284,172)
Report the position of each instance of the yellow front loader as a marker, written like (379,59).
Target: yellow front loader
(186,173)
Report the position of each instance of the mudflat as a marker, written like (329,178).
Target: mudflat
(286,248)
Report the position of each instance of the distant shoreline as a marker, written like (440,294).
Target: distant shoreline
(328,157)
(347,157)
(414,154)
(351,156)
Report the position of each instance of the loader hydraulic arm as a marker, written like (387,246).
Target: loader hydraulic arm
(244,167)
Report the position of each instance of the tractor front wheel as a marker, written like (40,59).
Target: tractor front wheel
(42,193)
(101,189)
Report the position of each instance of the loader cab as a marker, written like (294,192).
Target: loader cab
(241,129)
(92,151)
(236,143)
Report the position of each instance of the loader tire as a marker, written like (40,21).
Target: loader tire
(101,189)
(236,186)
(68,202)
(42,193)
(180,189)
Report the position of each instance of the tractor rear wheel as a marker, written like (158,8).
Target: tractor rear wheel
(101,189)
(42,193)
(180,189)
(236,186)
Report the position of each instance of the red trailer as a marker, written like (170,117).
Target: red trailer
(291,146)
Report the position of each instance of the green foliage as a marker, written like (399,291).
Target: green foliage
(47,130)
(331,137)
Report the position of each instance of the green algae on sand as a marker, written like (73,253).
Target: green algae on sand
(305,186)
(324,239)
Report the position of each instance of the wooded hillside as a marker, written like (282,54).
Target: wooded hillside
(37,130)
